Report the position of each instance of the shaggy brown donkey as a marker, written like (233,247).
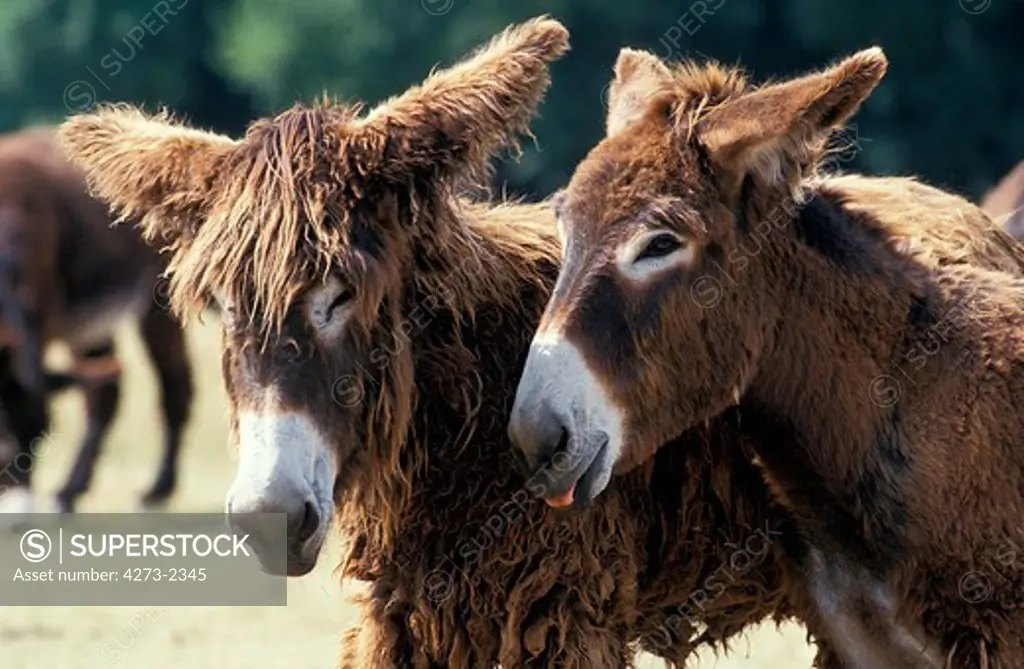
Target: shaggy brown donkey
(1005,202)
(67,276)
(706,267)
(374,328)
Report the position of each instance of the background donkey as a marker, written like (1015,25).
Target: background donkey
(67,276)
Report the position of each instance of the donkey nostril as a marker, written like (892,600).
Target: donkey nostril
(310,522)
(539,433)
(559,452)
(563,441)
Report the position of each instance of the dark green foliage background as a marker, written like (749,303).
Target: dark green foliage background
(950,110)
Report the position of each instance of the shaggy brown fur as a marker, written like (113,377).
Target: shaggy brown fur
(66,276)
(881,380)
(1005,202)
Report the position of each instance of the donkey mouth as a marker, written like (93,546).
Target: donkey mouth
(578,486)
(300,565)
(295,557)
(305,547)
(302,556)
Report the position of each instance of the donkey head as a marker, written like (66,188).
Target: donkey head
(658,317)
(306,233)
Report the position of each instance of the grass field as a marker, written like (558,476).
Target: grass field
(303,635)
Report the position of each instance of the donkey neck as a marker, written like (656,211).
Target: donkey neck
(845,299)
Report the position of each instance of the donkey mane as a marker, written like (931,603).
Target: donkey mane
(478,297)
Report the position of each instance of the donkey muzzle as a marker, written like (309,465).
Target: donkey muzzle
(564,424)
(285,467)
(295,558)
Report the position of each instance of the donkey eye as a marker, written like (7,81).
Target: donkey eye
(659,247)
(343,298)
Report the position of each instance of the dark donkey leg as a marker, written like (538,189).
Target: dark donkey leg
(101,405)
(165,342)
(25,443)
(23,396)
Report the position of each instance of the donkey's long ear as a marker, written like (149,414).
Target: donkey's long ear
(459,117)
(768,129)
(639,77)
(146,167)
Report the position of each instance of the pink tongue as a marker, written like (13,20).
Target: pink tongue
(563,500)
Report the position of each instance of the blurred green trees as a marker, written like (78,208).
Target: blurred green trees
(951,108)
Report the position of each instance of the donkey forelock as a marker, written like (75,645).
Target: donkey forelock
(278,219)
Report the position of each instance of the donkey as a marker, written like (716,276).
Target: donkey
(374,324)
(709,269)
(67,276)
(1005,202)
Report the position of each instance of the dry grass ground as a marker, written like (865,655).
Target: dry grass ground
(303,635)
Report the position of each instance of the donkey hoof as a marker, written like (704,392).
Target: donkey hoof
(151,502)
(60,504)
(158,496)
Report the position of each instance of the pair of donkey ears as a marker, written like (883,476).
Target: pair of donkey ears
(162,172)
(751,129)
